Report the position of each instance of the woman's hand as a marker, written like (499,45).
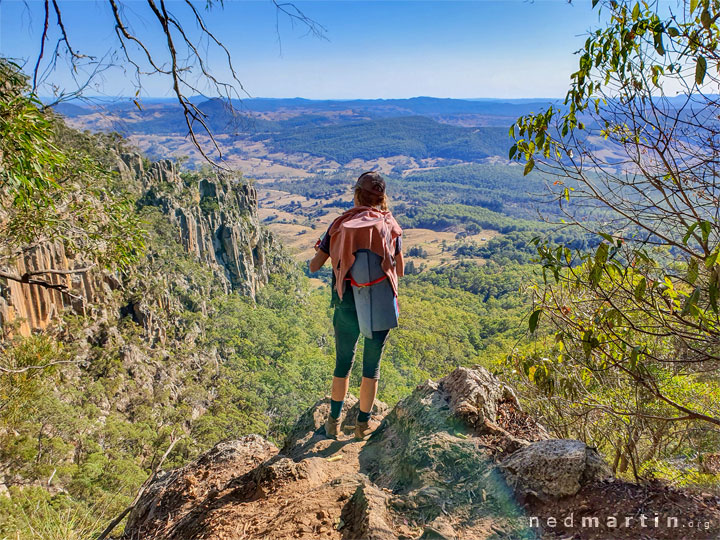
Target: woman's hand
(318,260)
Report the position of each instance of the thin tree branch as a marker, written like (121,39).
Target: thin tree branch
(43,39)
(114,523)
(32,368)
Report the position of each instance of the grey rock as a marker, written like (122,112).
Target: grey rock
(474,394)
(555,468)
(365,514)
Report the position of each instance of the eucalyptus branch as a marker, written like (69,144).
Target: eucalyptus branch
(27,279)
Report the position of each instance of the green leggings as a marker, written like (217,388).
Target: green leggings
(347,332)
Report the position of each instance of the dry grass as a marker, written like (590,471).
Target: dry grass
(300,239)
(437,244)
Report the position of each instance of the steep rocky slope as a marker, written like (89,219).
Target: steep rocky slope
(215,219)
(456,459)
(130,363)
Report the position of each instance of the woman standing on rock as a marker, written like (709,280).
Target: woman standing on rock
(364,245)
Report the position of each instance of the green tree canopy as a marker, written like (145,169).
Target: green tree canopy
(634,326)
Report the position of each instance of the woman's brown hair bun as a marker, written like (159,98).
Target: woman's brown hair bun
(370,190)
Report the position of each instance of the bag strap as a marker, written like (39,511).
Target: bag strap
(368,284)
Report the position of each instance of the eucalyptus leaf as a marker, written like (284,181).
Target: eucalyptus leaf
(692,271)
(529,167)
(640,289)
(700,69)
(534,318)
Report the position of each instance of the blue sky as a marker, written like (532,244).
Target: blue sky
(467,49)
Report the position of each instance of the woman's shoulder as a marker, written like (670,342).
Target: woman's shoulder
(389,218)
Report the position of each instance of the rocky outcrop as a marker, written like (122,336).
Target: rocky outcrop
(555,468)
(216,221)
(181,489)
(457,459)
(25,307)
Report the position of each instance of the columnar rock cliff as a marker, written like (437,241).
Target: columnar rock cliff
(25,307)
(216,218)
(216,221)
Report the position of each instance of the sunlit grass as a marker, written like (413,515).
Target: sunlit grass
(33,514)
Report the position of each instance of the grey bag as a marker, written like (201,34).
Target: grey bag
(376,305)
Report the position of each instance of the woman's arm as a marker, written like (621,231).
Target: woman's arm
(322,252)
(318,260)
(399,260)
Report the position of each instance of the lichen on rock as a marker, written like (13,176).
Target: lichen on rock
(555,468)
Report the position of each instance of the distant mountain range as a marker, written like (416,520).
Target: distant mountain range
(480,112)
(340,131)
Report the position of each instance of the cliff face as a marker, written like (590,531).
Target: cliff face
(25,307)
(215,219)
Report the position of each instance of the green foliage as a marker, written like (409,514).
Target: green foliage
(209,204)
(627,328)
(31,164)
(441,216)
(414,136)
(637,52)
(685,475)
(53,187)
(518,246)
(33,514)
(24,364)
(500,188)
(276,359)
(455,316)
(417,251)
(620,345)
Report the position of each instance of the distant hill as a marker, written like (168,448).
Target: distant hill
(401,107)
(161,116)
(71,110)
(414,136)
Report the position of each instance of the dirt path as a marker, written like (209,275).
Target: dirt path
(305,505)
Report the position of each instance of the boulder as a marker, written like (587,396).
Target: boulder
(172,495)
(555,468)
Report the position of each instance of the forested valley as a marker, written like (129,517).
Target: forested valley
(153,305)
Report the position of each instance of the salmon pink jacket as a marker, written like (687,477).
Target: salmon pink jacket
(364,227)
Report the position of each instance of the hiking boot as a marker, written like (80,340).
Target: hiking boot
(331,427)
(362,430)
